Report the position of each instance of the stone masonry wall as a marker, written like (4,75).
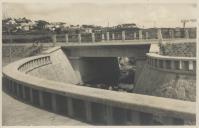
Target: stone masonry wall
(180,49)
(166,84)
(60,70)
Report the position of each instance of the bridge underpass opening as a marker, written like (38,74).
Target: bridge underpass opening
(106,72)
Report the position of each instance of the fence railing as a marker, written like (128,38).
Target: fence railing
(34,63)
(99,37)
(171,63)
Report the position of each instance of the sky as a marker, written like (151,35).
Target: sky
(105,14)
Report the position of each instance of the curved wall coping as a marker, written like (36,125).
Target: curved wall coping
(180,40)
(183,65)
(142,103)
(52,50)
(157,56)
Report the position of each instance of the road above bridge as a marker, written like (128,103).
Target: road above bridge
(110,42)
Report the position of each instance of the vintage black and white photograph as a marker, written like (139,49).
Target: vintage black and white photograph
(92,63)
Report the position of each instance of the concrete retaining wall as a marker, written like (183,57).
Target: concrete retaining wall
(60,69)
(171,77)
(180,49)
(91,104)
(166,84)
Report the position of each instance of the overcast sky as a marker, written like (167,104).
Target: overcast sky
(147,15)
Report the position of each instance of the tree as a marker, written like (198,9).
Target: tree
(41,24)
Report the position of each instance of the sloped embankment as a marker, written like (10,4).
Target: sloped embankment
(60,70)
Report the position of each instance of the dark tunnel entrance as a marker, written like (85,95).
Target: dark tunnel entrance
(114,73)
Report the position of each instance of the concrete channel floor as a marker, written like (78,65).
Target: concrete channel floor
(17,113)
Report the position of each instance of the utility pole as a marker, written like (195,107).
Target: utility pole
(184,22)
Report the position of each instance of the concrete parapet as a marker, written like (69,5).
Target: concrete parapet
(167,76)
(35,63)
(172,64)
(182,110)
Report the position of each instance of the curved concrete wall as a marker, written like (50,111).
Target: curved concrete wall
(60,69)
(90,104)
(171,77)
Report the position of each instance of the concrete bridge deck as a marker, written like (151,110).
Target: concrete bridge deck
(110,42)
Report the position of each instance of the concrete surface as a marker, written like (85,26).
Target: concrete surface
(60,69)
(177,108)
(166,84)
(17,113)
(180,50)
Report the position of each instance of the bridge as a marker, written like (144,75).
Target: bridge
(50,81)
